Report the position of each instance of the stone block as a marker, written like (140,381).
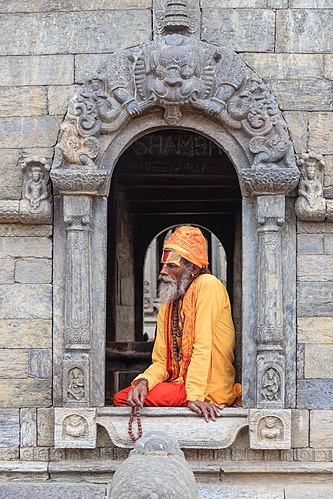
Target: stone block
(59,97)
(10,174)
(210,491)
(34,333)
(75,428)
(299,428)
(310,244)
(300,361)
(232,4)
(304,30)
(315,268)
(48,490)
(9,427)
(314,227)
(126,291)
(242,29)
(6,271)
(277,4)
(315,394)
(311,4)
(23,101)
(25,392)
(328,66)
(315,330)
(68,32)
(285,66)
(28,427)
(26,301)
(9,453)
(40,363)
(321,429)
(71,5)
(33,271)
(13,363)
(37,247)
(302,94)
(45,427)
(318,361)
(36,70)
(86,64)
(308,491)
(39,130)
(297,122)
(315,299)
(328,244)
(270,429)
(328,174)
(321,132)
(35,454)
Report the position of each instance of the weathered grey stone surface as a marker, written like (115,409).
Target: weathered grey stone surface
(45,427)
(86,63)
(299,428)
(304,30)
(37,247)
(321,132)
(317,357)
(26,301)
(239,492)
(315,394)
(58,98)
(33,270)
(277,4)
(320,491)
(13,393)
(321,427)
(33,333)
(314,227)
(6,271)
(285,66)
(9,428)
(328,66)
(23,101)
(71,5)
(315,329)
(52,491)
(40,363)
(36,70)
(13,363)
(328,244)
(312,95)
(11,175)
(28,427)
(39,130)
(315,299)
(310,4)
(67,32)
(297,123)
(234,4)
(310,245)
(241,30)
(315,267)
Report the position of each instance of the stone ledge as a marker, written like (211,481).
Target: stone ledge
(191,433)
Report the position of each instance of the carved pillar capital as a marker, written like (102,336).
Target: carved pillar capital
(77,181)
(268,180)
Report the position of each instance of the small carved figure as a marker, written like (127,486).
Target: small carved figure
(75,384)
(271,430)
(36,190)
(75,426)
(311,203)
(270,384)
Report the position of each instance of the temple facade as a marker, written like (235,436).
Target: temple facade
(120,121)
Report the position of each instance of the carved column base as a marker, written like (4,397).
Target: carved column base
(270,428)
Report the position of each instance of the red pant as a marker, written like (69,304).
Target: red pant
(162,395)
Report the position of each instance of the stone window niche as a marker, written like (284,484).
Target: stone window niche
(115,189)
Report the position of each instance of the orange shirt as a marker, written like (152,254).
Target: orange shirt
(210,375)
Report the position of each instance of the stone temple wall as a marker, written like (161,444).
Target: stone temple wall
(47,49)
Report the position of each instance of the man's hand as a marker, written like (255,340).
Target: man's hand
(205,409)
(137,395)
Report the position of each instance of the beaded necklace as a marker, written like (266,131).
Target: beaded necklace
(177,327)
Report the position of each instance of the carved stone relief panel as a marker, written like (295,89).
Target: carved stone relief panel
(270,379)
(35,207)
(76,378)
(75,428)
(270,429)
(181,16)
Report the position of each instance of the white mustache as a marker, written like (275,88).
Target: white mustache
(166,279)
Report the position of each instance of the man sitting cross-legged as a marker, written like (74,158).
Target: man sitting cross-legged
(193,352)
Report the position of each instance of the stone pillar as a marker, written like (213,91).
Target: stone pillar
(77,332)
(270,353)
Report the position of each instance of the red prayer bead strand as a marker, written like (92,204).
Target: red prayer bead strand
(135,411)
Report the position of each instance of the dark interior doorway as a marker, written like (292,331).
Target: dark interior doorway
(165,178)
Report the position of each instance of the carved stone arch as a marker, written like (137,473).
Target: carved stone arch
(174,82)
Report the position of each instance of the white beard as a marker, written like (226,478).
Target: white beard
(169,290)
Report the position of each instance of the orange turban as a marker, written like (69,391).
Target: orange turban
(189,243)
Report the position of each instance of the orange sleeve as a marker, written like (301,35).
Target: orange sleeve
(156,372)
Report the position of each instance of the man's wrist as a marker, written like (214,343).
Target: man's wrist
(143,379)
